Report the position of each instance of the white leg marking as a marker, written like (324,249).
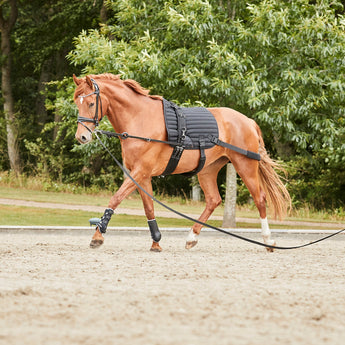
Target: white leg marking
(191,240)
(265,231)
(192,237)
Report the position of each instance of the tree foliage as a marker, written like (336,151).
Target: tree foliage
(280,62)
(41,38)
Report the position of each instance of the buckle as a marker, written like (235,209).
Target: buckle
(183,133)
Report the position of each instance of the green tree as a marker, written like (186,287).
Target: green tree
(40,38)
(297,77)
(295,89)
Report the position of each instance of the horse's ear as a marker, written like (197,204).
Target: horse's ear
(89,81)
(76,80)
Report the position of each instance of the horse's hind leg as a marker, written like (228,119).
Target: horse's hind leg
(149,212)
(249,172)
(208,183)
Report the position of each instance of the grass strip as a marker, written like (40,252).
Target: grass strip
(182,205)
(27,216)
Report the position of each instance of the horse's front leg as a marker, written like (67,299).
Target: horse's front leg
(149,212)
(126,188)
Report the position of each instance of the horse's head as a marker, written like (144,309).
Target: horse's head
(87,97)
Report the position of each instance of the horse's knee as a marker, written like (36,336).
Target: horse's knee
(149,212)
(213,202)
(260,202)
(218,201)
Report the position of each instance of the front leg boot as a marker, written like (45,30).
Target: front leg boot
(154,230)
(101,228)
(103,223)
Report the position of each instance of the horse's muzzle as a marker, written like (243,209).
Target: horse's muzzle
(84,137)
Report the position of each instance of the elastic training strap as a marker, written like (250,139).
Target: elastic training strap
(249,154)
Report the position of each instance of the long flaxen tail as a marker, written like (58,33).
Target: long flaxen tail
(276,192)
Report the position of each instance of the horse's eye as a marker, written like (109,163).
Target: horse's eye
(91,105)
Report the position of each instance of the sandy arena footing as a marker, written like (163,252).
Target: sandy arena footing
(54,289)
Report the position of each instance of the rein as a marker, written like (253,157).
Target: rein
(125,136)
(213,139)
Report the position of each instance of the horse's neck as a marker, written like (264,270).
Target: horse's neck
(127,109)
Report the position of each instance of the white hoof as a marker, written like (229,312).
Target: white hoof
(192,239)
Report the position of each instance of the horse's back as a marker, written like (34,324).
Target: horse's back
(233,125)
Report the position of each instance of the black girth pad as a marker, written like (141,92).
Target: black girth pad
(200,123)
(190,129)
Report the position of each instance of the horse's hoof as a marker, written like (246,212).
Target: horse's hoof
(156,247)
(191,244)
(192,239)
(271,250)
(96,243)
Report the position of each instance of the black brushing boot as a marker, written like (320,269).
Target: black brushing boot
(155,235)
(101,228)
(103,223)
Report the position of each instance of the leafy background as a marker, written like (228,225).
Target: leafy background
(281,63)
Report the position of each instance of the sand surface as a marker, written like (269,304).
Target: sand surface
(54,289)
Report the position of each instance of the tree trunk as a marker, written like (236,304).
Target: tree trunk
(6,25)
(229,217)
(196,190)
(103,13)
(40,102)
(60,67)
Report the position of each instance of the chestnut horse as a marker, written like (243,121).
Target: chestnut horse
(130,108)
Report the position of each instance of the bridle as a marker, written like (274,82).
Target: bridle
(94,120)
